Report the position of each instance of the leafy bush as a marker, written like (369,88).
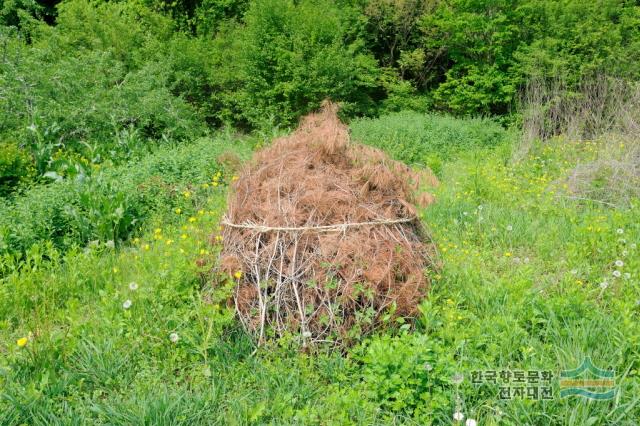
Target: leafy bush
(408,374)
(109,206)
(426,139)
(288,57)
(106,75)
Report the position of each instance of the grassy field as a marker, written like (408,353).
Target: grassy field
(532,279)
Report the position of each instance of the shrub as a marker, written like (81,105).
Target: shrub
(408,374)
(288,58)
(107,73)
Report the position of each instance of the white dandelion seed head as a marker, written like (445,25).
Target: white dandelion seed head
(619,263)
(133,286)
(127,304)
(173,337)
(428,366)
(516,259)
(306,334)
(480,207)
(625,253)
(617,274)
(620,231)
(604,285)
(471,422)
(457,378)
(634,245)
(509,227)
(526,260)
(458,416)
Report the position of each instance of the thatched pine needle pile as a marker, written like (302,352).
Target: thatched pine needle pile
(322,236)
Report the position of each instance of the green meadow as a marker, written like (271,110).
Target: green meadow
(123,125)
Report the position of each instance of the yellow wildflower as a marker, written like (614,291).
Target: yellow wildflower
(22,342)
(238,275)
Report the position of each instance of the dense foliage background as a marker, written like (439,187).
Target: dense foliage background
(84,82)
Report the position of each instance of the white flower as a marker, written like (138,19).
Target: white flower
(526,260)
(604,285)
(458,416)
(617,274)
(624,253)
(110,244)
(133,286)
(619,263)
(306,334)
(634,245)
(480,207)
(471,422)
(620,231)
(465,213)
(428,366)
(174,337)
(126,304)
(509,227)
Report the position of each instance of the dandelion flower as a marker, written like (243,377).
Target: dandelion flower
(620,231)
(306,334)
(133,286)
(604,285)
(127,304)
(192,219)
(619,263)
(508,254)
(147,247)
(186,194)
(509,227)
(634,245)
(457,378)
(178,210)
(157,230)
(173,337)
(617,274)
(428,366)
(22,342)
(458,416)
(471,422)
(238,274)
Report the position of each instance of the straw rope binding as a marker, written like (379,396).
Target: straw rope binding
(325,228)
